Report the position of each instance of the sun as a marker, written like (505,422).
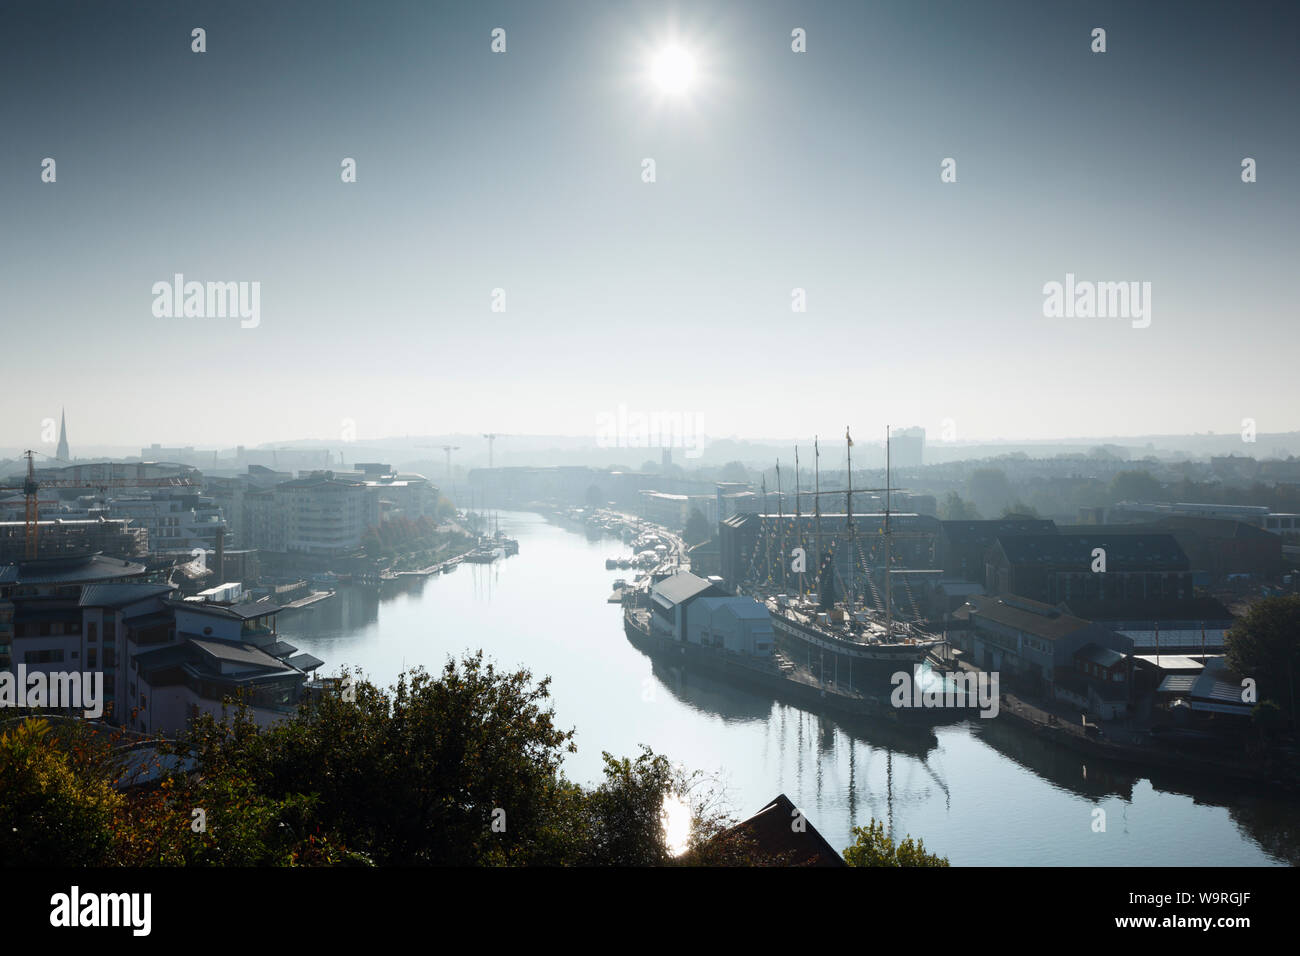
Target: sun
(673,70)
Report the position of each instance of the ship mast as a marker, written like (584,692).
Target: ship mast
(798,520)
(848,517)
(780,523)
(889,553)
(817,513)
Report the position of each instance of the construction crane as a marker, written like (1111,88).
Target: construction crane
(449,449)
(31,488)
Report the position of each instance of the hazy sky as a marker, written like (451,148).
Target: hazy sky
(523,171)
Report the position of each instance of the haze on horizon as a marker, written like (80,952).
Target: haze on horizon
(522,171)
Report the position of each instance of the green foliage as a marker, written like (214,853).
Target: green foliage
(735,471)
(954,508)
(1267,717)
(1265,645)
(989,489)
(416,774)
(623,815)
(57,802)
(873,847)
(697,528)
(1136,486)
(413,776)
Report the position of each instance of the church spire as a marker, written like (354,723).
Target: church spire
(62,452)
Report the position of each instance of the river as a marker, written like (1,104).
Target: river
(980,792)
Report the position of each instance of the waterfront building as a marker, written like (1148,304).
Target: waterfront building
(322,514)
(670,598)
(737,624)
(1059,567)
(177,520)
(403,495)
(228,493)
(92,614)
(1042,645)
(705,558)
(1283,524)
(1213,692)
(220,650)
(1190,626)
(735,497)
(1217,547)
(686,607)
(963,546)
(74,613)
(115,537)
(674,510)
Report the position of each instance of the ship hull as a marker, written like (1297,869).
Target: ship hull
(767,677)
(799,637)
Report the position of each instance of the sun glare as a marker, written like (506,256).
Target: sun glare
(677,824)
(673,70)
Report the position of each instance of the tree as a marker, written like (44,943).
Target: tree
(57,806)
(458,768)
(1267,717)
(734,471)
(989,489)
(416,776)
(873,847)
(624,814)
(1136,486)
(1018,509)
(954,509)
(1265,645)
(697,528)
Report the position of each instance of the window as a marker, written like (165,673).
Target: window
(92,631)
(44,657)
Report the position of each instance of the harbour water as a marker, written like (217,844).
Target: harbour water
(978,791)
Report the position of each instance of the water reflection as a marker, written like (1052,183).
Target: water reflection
(980,791)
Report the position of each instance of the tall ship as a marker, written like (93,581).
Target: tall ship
(860,630)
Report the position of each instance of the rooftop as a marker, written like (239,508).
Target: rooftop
(1022,614)
(75,569)
(1124,552)
(775,839)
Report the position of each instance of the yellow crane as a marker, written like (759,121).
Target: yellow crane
(31,489)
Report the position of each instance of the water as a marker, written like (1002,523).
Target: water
(979,792)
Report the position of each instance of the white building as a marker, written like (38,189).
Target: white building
(324,515)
